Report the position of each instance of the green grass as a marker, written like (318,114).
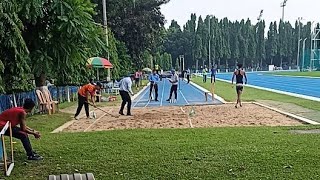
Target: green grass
(226,91)
(311,74)
(217,153)
(65,105)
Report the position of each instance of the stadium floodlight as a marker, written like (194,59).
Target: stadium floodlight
(303,53)
(210,16)
(283,5)
(259,19)
(299,40)
(260,16)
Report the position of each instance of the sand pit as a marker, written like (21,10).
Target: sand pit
(182,117)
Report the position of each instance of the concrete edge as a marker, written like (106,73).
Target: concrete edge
(299,118)
(307,77)
(138,94)
(67,124)
(64,126)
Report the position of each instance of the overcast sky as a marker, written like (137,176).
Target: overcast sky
(180,10)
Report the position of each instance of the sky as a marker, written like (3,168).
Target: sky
(180,10)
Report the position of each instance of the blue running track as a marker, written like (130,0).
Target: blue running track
(298,85)
(187,95)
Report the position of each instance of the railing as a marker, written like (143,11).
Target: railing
(58,94)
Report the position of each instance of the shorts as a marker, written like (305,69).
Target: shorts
(137,80)
(239,88)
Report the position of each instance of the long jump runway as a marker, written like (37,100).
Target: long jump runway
(187,95)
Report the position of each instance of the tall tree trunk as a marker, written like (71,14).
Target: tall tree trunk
(243,62)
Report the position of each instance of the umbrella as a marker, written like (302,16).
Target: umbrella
(98,62)
(147,70)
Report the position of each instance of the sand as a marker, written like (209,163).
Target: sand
(182,117)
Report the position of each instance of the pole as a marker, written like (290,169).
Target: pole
(283,13)
(180,58)
(209,42)
(283,5)
(311,53)
(298,55)
(105,23)
(98,74)
(303,55)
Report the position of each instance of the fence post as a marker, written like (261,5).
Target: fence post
(68,93)
(14,100)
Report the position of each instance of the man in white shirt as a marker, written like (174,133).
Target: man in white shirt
(125,89)
(188,75)
(174,85)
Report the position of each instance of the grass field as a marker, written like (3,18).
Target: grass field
(226,91)
(220,153)
(311,74)
(216,153)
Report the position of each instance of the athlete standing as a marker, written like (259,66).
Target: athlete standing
(239,73)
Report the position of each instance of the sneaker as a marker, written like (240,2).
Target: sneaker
(76,118)
(168,100)
(35,157)
(157,100)
(89,117)
(129,114)
(121,113)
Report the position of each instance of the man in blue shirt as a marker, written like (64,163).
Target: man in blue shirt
(213,74)
(154,80)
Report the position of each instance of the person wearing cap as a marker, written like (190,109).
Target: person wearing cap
(174,85)
(125,89)
(17,116)
(83,97)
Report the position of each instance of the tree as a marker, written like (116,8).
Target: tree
(261,49)
(137,26)
(14,54)
(272,42)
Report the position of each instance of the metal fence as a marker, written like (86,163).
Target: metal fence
(58,94)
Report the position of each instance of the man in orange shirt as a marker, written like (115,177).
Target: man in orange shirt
(17,116)
(83,97)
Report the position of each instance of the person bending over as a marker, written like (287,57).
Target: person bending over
(83,97)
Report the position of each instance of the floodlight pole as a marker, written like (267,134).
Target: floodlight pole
(283,5)
(303,55)
(299,40)
(210,41)
(105,23)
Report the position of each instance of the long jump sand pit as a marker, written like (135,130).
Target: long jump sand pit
(185,117)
